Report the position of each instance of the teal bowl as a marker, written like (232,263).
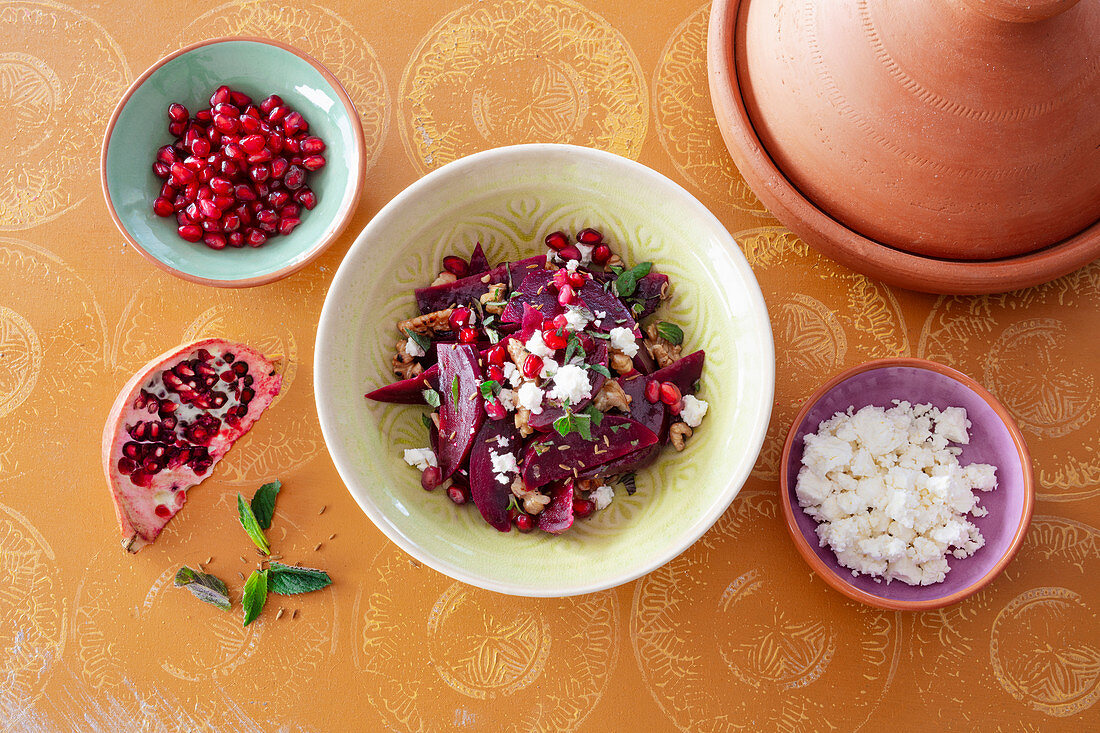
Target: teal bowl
(258,67)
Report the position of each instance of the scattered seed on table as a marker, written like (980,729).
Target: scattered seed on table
(324,507)
(318,547)
(240,574)
(294,615)
(279,615)
(209,559)
(242,559)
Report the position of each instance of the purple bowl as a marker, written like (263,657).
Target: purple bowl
(994,439)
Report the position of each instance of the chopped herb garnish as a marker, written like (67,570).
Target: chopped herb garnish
(419,339)
(204,586)
(617,428)
(572,348)
(571,422)
(599,369)
(637,308)
(627,281)
(594,415)
(696,386)
(602,335)
(454,389)
(670,332)
(540,448)
(490,388)
(431,397)
(427,423)
(492,334)
(263,503)
(513,505)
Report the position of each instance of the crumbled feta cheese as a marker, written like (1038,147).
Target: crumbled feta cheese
(586,251)
(530,396)
(549,368)
(693,411)
(421,458)
(623,340)
(502,441)
(537,346)
(503,463)
(412,348)
(512,374)
(572,265)
(571,383)
(888,492)
(507,399)
(599,314)
(576,318)
(602,496)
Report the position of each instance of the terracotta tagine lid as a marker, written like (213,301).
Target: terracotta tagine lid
(967,131)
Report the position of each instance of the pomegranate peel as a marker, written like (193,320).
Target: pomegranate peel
(173,421)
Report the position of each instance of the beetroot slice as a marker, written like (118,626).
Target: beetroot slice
(554,457)
(615,313)
(408,391)
(459,419)
(558,514)
(643,362)
(648,292)
(479,263)
(654,416)
(684,373)
(491,496)
(544,421)
(535,291)
(466,289)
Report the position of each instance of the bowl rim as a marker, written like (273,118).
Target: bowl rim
(837,241)
(343,217)
(838,581)
(679,544)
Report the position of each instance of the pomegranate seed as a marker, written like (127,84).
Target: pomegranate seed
(267,216)
(183,218)
(235,239)
(240,99)
(275,143)
(223,202)
(496,355)
(214,241)
(458,494)
(560,321)
(294,123)
(229,168)
(295,177)
(555,339)
(278,167)
(288,210)
(200,147)
(235,151)
(496,373)
(253,143)
(431,478)
(231,223)
(176,129)
(277,113)
(208,209)
(192,212)
(314,162)
(255,238)
(259,173)
(221,95)
(167,155)
(577,279)
(456,266)
(570,253)
(226,125)
(286,226)
(495,410)
(293,145)
(312,145)
(244,192)
(250,124)
(601,254)
(163,207)
(653,391)
(532,366)
(565,295)
(221,185)
(556,241)
(182,173)
(524,523)
(278,199)
(204,115)
(190,232)
(177,112)
(459,318)
(589,236)
(467,335)
(306,197)
(670,393)
(583,508)
(214,136)
(228,110)
(270,103)
(676,407)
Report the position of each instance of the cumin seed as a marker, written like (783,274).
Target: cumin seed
(279,615)
(563,467)
(332,536)
(240,574)
(294,615)
(318,547)
(322,511)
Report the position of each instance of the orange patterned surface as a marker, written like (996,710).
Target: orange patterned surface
(736,634)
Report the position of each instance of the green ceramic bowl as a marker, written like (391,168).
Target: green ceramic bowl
(509,199)
(257,67)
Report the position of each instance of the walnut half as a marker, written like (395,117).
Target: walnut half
(404,365)
(533,501)
(494,299)
(427,324)
(662,351)
(678,434)
(612,395)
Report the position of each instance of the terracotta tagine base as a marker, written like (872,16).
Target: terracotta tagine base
(881,170)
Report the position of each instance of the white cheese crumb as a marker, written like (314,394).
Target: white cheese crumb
(576,318)
(623,340)
(586,251)
(888,492)
(600,314)
(571,383)
(502,441)
(693,411)
(507,399)
(572,265)
(503,464)
(420,458)
(537,346)
(512,374)
(530,396)
(549,368)
(602,496)
(413,349)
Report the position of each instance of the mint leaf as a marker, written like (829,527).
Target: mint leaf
(454,389)
(594,415)
(583,425)
(489,388)
(637,308)
(427,423)
(431,397)
(493,334)
(572,348)
(255,595)
(641,269)
(204,586)
(419,339)
(616,270)
(670,332)
(564,424)
(263,503)
(599,369)
(626,284)
(252,525)
(288,580)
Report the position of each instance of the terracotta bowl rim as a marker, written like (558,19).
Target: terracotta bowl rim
(846,246)
(343,217)
(838,581)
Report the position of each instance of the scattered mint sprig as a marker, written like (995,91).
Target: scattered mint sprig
(252,526)
(204,586)
(263,503)
(255,595)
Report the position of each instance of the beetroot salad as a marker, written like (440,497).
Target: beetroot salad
(546,389)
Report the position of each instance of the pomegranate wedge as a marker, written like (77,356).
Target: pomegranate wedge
(173,421)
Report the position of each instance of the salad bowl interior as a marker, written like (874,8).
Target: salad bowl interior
(509,199)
